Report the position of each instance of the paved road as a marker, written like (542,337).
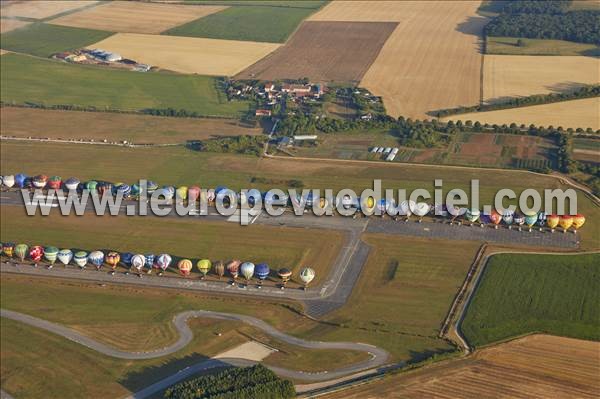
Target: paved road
(377,358)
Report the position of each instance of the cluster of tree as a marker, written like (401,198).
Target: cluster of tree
(249,145)
(565,162)
(418,135)
(256,382)
(582,92)
(593,171)
(576,26)
(535,7)
(306,124)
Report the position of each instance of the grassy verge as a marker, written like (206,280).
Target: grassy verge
(510,46)
(44,40)
(520,293)
(27,79)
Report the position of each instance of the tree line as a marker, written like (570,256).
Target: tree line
(248,145)
(535,7)
(256,382)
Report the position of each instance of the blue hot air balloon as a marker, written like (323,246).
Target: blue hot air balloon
(168,192)
(272,199)
(20,179)
(262,272)
(135,190)
(149,262)
(96,258)
(124,189)
(126,258)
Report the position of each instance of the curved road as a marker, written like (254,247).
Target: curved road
(377,358)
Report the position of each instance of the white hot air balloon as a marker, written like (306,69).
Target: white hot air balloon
(65,256)
(307,275)
(420,209)
(137,262)
(8,181)
(247,270)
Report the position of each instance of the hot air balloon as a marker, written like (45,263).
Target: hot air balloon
(104,188)
(384,206)
(262,272)
(35,253)
(50,253)
(126,260)
(151,187)
(193,194)
(456,212)
(163,261)
(135,191)
(124,190)
(285,275)
(72,183)
(210,195)
(219,269)
(149,258)
(307,275)
(519,220)
(137,262)
(440,210)
(272,198)
(8,248)
(8,181)
(80,258)
(181,193)
(531,219)
(404,209)
(420,209)
(233,269)
(167,192)
(91,186)
(21,251)
(495,218)
(349,202)
(552,222)
(20,180)
(541,220)
(112,259)
(65,256)
(508,217)
(367,205)
(54,182)
(96,258)
(472,215)
(40,181)
(565,222)
(204,266)
(184,266)
(578,221)
(247,270)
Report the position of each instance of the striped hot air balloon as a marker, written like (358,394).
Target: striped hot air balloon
(65,256)
(8,249)
(96,258)
(185,266)
(50,253)
(541,220)
(112,259)
(531,219)
(80,258)
(262,271)
(284,274)
(163,261)
(219,269)
(149,258)
(40,181)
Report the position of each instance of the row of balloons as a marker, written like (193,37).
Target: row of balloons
(149,261)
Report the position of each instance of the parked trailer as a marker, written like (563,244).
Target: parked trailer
(374,149)
(391,156)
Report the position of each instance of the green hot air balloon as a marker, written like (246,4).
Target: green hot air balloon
(204,266)
(21,251)
(50,254)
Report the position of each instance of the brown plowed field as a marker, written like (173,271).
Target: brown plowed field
(40,9)
(325,51)
(537,366)
(135,17)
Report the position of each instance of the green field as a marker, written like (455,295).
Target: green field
(520,294)
(508,46)
(586,144)
(44,40)
(27,79)
(248,23)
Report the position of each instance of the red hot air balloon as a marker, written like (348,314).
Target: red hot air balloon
(35,253)
(496,218)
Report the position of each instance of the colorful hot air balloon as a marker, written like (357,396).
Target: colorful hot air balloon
(519,219)
(204,266)
(181,193)
(72,183)
(541,220)
(552,222)
(123,189)
(65,256)
(193,194)
(137,262)
(508,218)
(135,190)
(219,269)
(233,268)
(126,260)
(531,219)
(35,254)
(54,182)
(472,215)
(262,272)
(565,222)
(495,218)
(91,186)
(247,270)
(151,187)
(21,251)
(20,180)
(50,253)
(96,258)
(163,261)
(578,221)
(149,258)
(40,181)
(104,188)
(8,248)
(80,258)
(8,181)
(112,259)
(307,275)
(285,275)
(184,266)
(167,192)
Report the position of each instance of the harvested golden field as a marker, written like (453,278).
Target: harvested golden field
(41,9)
(136,17)
(537,366)
(25,122)
(11,24)
(188,54)
(575,113)
(523,75)
(431,61)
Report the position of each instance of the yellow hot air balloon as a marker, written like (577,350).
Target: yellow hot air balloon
(552,222)
(578,221)
(566,221)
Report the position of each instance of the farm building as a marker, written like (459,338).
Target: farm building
(263,112)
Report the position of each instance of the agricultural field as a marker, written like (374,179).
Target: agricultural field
(508,76)
(26,79)
(431,61)
(568,114)
(509,46)
(43,40)
(7,25)
(188,54)
(537,366)
(42,9)
(586,150)
(246,22)
(115,16)
(520,294)
(137,129)
(315,52)
(182,238)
